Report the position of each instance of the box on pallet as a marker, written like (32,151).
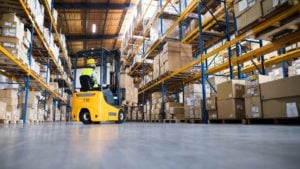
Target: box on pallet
(287,107)
(253,107)
(231,89)
(231,109)
(212,114)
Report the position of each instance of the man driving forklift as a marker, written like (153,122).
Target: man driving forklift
(90,71)
(94,103)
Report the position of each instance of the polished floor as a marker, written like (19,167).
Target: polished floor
(148,146)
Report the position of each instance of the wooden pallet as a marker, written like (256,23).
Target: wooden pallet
(193,120)
(228,121)
(291,121)
(156,121)
(173,121)
(6,121)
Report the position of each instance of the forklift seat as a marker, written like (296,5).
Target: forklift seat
(86,83)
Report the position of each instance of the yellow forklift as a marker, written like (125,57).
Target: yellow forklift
(101,103)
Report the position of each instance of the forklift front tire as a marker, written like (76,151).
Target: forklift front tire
(121,117)
(85,117)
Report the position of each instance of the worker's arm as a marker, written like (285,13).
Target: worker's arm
(96,77)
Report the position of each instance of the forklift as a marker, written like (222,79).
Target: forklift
(101,104)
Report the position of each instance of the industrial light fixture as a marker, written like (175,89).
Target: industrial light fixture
(94,28)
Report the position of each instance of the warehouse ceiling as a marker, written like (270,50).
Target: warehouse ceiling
(77,18)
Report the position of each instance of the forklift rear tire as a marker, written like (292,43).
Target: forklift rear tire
(121,117)
(85,117)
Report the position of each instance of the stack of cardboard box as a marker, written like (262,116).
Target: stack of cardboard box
(12,37)
(193,100)
(131,92)
(32,105)
(230,100)
(174,56)
(174,110)
(281,98)
(249,11)
(156,105)
(294,69)
(253,105)
(211,102)
(9,100)
(156,66)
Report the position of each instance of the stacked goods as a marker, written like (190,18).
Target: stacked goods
(174,56)
(193,100)
(156,105)
(4,79)
(9,101)
(12,37)
(174,109)
(49,108)
(294,69)
(44,73)
(147,111)
(155,30)
(211,102)
(32,105)
(281,98)
(37,10)
(247,12)
(252,95)
(271,6)
(277,72)
(131,92)
(230,100)
(156,66)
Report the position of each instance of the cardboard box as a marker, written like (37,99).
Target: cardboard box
(269,6)
(212,114)
(288,87)
(250,15)
(211,103)
(281,107)
(252,91)
(13,94)
(253,107)
(231,89)
(255,80)
(231,109)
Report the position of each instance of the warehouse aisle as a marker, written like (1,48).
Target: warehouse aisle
(143,146)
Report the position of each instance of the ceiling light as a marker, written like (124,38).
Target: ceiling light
(94,28)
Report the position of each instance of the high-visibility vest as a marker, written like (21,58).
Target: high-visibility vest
(89,72)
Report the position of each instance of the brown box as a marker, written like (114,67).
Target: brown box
(212,114)
(253,107)
(252,91)
(9,94)
(231,109)
(269,6)
(250,16)
(231,89)
(174,110)
(281,88)
(281,107)
(211,103)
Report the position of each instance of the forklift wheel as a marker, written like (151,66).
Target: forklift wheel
(85,117)
(121,117)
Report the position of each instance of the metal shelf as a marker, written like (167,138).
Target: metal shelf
(65,56)
(268,48)
(42,39)
(27,71)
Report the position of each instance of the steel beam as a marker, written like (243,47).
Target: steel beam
(90,6)
(90,37)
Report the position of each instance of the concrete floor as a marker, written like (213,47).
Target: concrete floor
(144,145)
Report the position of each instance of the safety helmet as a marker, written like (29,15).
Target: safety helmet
(91,61)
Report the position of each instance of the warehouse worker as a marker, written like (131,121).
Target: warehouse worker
(90,71)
